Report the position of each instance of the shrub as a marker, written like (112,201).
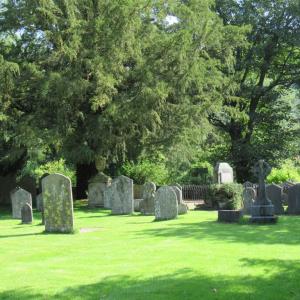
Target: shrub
(287,171)
(225,196)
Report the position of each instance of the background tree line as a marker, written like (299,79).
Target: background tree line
(164,85)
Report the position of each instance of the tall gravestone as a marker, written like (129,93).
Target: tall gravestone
(249,196)
(223,173)
(96,188)
(182,207)
(19,197)
(262,210)
(166,204)
(294,199)
(122,196)
(58,203)
(26,214)
(275,194)
(147,204)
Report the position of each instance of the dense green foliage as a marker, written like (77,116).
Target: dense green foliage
(225,196)
(288,171)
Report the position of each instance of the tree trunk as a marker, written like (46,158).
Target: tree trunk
(84,172)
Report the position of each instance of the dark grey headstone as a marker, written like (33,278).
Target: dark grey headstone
(275,194)
(58,203)
(19,197)
(229,216)
(26,213)
(249,196)
(294,199)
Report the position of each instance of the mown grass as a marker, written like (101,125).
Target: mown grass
(132,257)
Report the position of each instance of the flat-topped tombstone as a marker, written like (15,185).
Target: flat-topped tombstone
(182,207)
(26,214)
(223,173)
(122,196)
(275,194)
(58,203)
(294,200)
(147,204)
(19,198)
(249,196)
(97,186)
(166,204)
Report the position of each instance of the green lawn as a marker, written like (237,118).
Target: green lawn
(132,257)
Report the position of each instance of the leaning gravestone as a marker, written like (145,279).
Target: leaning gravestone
(182,207)
(19,198)
(58,203)
(97,185)
(26,214)
(294,199)
(166,205)
(122,196)
(275,194)
(249,195)
(223,173)
(147,204)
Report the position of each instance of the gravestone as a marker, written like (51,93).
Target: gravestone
(147,204)
(229,216)
(28,184)
(223,173)
(107,195)
(275,194)
(26,214)
(182,207)
(247,184)
(262,210)
(19,197)
(58,203)
(40,181)
(137,204)
(166,204)
(122,196)
(97,185)
(294,199)
(249,195)
(39,202)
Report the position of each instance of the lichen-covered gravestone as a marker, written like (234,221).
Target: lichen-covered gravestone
(166,205)
(147,204)
(19,198)
(249,195)
(122,196)
(182,207)
(58,203)
(26,214)
(275,194)
(97,186)
(294,200)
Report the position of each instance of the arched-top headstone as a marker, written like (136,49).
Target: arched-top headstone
(223,173)
(166,204)
(182,207)
(294,199)
(58,203)
(249,196)
(97,185)
(122,196)
(147,204)
(275,194)
(19,197)
(26,213)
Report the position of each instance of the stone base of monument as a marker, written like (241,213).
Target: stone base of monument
(264,219)
(229,216)
(263,214)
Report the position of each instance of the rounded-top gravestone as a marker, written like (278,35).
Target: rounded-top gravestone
(26,213)
(249,196)
(275,194)
(58,203)
(166,204)
(147,204)
(96,188)
(19,198)
(182,207)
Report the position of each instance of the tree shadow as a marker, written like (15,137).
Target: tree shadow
(183,284)
(282,233)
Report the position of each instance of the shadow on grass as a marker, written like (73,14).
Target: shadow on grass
(285,232)
(184,284)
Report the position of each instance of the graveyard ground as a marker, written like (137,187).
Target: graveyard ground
(132,257)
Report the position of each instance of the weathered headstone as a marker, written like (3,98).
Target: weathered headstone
(39,202)
(166,205)
(223,173)
(229,216)
(19,197)
(294,199)
(40,181)
(122,196)
(182,207)
(108,194)
(275,194)
(147,204)
(26,214)
(58,203)
(262,210)
(97,185)
(249,196)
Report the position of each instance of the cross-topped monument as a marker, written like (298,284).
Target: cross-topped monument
(262,210)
